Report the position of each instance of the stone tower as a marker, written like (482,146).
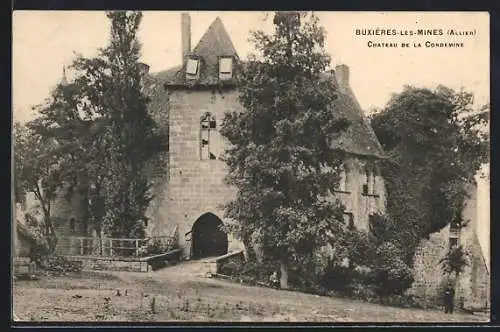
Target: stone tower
(199,95)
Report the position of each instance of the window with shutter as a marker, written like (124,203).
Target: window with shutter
(225,68)
(453,242)
(192,67)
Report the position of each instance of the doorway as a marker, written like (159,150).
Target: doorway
(208,239)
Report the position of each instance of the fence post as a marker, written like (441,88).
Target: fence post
(110,247)
(136,248)
(81,246)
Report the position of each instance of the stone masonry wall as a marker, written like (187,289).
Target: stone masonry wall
(195,186)
(359,205)
(472,288)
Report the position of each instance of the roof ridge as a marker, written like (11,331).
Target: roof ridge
(215,34)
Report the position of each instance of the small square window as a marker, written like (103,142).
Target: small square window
(225,68)
(205,124)
(72,224)
(225,65)
(192,67)
(213,124)
(365,189)
(349,220)
(453,242)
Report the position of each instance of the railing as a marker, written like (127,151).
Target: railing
(111,247)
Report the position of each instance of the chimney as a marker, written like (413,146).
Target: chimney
(143,68)
(342,76)
(64,79)
(185,35)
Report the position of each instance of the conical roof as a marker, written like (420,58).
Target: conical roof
(358,138)
(214,43)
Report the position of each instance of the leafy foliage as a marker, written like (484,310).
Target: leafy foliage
(42,245)
(454,261)
(391,274)
(100,134)
(79,130)
(131,130)
(436,144)
(375,266)
(59,264)
(36,170)
(155,247)
(280,159)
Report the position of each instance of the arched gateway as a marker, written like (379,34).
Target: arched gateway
(208,239)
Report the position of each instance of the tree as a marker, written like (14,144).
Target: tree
(130,130)
(279,157)
(104,133)
(436,147)
(36,171)
(78,127)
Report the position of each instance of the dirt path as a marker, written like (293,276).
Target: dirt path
(181,293)
(185,271)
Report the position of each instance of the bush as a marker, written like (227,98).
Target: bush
(303,278)
(403,301)
(367,266)
(392,276)
(377,269)
(251,269)
(155,247)
(43,243)
(60,264)
(232,268)
(360,291)
(298,277)
(454,261)
(336,278)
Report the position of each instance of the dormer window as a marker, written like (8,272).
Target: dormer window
(192,68)
(225,68)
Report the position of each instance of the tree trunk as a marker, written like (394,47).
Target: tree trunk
(458,302)
(50,232)
(99,237)
(284,274)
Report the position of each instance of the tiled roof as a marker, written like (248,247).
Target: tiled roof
(213,44)
(154,88)
(359,137)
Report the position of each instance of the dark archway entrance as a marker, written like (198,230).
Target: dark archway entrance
(207,237)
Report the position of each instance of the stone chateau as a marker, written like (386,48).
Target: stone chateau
(189,101)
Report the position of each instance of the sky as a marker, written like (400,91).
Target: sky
(45,41)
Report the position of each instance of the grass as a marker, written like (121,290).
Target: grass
(166,296)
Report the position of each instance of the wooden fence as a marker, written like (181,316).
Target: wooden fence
(113,247)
